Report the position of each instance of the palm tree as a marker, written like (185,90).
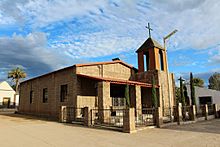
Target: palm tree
(16,74)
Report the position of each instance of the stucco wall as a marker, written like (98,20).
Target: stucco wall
(6,92)
(200,92)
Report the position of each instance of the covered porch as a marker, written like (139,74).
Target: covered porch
(108,93)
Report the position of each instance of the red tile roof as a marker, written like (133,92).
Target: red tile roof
(118,81)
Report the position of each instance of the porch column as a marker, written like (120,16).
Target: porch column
(138,99)
(104,100)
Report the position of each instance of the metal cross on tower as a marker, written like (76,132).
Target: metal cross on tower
(150,29)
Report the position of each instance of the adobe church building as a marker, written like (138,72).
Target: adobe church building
(101,85)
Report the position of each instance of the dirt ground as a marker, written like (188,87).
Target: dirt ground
(22,131)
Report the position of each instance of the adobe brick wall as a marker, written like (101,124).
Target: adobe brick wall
(87,101)
(53,82)
(116,70)
(164,95)
(160,79)
(77,95)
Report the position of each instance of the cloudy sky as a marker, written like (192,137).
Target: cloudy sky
(44,35)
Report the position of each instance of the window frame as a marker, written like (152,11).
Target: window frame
(63,92)
(45,95)
(31,95)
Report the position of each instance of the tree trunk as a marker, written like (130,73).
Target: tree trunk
(17,83)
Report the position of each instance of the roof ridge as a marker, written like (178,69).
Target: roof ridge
(150,42)
(105,62)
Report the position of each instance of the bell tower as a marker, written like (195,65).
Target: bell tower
(152,64)
(151,56)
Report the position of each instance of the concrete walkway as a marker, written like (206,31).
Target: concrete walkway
(20,131)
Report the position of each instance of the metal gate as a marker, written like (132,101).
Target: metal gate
(211,109)
(145,117)
(186,112)
(167,115)
(73,114)
(200,111)
(107,117)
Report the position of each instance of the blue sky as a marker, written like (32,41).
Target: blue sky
(45,35)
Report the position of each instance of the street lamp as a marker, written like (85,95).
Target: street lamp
(167,37)
(168,79)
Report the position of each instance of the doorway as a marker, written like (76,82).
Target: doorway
(6,102)
(205,100)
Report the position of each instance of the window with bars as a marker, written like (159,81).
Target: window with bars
(118,102)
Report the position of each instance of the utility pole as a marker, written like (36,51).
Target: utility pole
(168,77)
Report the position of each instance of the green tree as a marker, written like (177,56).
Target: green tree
(214,81)
(178,96)
(186,96)
(192,88)
(16,74)
(197,82)
(13,87)
(154,94)
(183,100)
(127,98)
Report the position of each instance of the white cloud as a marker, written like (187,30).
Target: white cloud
(120,26)
(198,25)
(95,45)
(197,21)
(30,52)
(214,58)
(43,12)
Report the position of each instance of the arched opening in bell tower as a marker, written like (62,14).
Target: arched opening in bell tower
(147,61)
(161,60)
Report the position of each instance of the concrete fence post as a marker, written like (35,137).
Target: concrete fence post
(63,114)
(129,120)
(193,113)
(215,107)
(158,117)
(87,116)
(92,116)
(179,114)
(206,111)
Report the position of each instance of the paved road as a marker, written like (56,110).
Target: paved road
(19,131)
